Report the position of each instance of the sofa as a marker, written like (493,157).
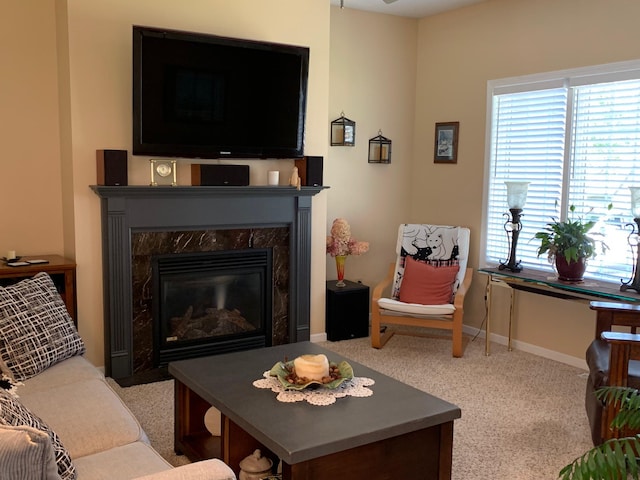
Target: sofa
(59,418)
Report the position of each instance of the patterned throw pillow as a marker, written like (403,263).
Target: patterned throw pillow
(13,413)
(36,330)
(426,284)
(26,453)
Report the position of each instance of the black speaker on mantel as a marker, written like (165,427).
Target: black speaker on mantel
(310,171)
(219,175)
(111,167)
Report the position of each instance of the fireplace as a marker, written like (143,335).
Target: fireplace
(140,222)
(211,302)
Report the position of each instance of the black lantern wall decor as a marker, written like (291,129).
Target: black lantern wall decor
(343,132)
(379,149)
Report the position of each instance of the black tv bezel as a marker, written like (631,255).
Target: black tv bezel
(214,151)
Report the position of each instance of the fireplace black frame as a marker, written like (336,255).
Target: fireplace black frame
(125,209)
(253,260)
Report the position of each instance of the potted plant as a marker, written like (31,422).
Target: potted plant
(616,458)
(569,244)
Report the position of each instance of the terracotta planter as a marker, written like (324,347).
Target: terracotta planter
(570,271)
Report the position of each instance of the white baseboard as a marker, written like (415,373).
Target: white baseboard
(530,348)
(318,337)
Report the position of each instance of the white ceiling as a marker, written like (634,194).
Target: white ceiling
(406,8)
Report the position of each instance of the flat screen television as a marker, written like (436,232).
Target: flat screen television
(205,96)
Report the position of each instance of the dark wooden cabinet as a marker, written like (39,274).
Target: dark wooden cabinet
(347,311)
(61,270)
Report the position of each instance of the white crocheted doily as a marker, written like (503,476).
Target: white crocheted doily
(356,387)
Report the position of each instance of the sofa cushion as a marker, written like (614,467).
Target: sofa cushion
(26,453)
(71,370)
(88,416)
(120,463)
(36,330)
(14,413)
(204,470)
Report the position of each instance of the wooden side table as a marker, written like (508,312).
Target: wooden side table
(61,270)
(347,312)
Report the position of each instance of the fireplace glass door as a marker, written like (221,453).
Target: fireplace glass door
(211,302)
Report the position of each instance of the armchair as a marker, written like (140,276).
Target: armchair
(613,358)
(427,283)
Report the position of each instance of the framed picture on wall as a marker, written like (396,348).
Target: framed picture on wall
(446,142)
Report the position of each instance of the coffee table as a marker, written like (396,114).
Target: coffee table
(398,432)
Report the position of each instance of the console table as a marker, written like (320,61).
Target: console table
(547,283)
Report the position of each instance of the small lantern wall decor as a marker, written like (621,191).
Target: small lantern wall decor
(379,149)
(343,132)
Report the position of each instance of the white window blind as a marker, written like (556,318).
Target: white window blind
(527,144)
(577,145)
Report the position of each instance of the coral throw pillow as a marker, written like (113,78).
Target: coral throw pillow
(427,285)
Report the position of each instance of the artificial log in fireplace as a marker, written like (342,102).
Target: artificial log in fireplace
(209,302)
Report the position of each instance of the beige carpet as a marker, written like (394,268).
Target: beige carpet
(523,416)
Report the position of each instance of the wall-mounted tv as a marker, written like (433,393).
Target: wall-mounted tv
(205,96)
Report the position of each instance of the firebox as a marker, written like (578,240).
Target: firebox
(214,302)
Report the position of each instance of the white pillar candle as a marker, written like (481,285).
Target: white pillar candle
(313,367)
(274,177)
(11,254)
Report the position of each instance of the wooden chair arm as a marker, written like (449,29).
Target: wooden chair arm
(380,287)
(609,314)
(624,347)
(458,300)
(620,337)
(614,306)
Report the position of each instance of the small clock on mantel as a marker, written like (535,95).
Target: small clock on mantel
(163,172)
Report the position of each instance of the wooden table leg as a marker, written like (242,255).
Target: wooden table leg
(191,437)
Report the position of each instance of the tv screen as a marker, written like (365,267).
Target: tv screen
(204,96)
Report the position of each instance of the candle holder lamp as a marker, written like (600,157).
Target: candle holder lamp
(633,240)
(343,132)
(379,149)
(516,198)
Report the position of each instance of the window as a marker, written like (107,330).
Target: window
(575,135)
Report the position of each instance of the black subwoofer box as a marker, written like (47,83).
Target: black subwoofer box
(347,311)
(216,175)
(111,167)
(310,171)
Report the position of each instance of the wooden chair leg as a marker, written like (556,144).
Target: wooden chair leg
(457,334)
(378,339)
(375,329)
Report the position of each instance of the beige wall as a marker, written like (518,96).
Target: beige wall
(373,80)
(30,173)
(458,53)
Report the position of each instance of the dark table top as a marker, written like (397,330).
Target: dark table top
(299,431)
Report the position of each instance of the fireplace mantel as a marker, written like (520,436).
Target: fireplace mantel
(130,209)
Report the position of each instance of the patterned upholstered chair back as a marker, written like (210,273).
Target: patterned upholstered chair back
(438,245)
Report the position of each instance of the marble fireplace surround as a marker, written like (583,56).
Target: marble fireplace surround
(135,218)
